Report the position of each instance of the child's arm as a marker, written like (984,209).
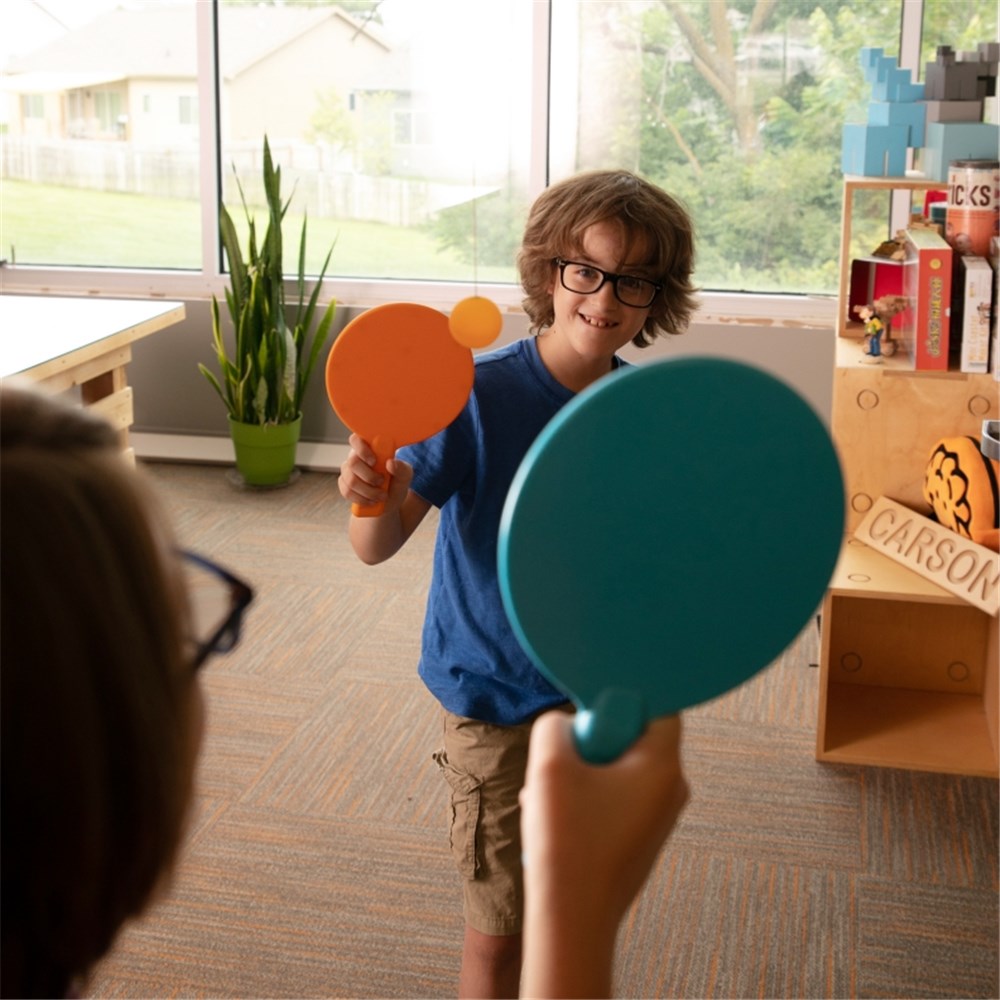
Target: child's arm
(590,835)
(375,539)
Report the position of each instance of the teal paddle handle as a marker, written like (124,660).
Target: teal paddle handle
(606,730)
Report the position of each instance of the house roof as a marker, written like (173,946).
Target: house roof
(156,41)
(250,32)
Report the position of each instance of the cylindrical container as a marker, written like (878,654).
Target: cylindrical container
(972,219)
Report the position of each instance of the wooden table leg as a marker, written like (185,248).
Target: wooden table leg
(110,395)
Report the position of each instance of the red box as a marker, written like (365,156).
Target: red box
(871,278)
(927,284)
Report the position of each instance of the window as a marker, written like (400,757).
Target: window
(187,110)
(737,108)
(33,105)
(112,181)
(415,133)
(108,109)
(412,128)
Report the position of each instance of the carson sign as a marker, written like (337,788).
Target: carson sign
(957,564)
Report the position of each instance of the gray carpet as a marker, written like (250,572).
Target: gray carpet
(317,861)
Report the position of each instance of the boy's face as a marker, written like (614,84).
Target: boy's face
(597,325)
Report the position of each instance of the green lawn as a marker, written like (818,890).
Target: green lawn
(46,224)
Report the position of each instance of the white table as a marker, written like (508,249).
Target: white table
(63,342)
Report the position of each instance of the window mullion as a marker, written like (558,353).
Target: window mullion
(538,177)
(910,31)
(209,139)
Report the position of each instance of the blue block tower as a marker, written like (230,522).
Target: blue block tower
(942,116)
(895,123)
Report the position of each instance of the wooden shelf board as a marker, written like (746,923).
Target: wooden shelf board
(849,354)
(863,572)
(917,730)
(911,182)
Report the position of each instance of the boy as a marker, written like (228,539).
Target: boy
(606,260)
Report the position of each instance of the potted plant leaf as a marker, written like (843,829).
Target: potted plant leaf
(264,381)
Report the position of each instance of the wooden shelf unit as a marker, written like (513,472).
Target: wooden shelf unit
(847,327)
(886,418)
(908,672)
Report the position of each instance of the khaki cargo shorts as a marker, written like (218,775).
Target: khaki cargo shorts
(484,766)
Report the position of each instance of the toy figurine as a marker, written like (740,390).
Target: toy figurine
(894,249)
(874,328)
(878,318)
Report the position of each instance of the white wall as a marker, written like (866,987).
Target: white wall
(178,416)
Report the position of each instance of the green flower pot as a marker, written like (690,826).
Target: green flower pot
(265,455)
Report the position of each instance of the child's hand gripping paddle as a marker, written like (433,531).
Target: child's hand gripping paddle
(667,535)
(395,376)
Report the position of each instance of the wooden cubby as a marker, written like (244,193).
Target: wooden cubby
(908,672)
(846,325)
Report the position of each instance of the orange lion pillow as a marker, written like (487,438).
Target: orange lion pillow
(960,484)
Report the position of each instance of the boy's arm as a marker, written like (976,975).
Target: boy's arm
(375,539)
(590,837)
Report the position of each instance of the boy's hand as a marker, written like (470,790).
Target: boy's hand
(360,483)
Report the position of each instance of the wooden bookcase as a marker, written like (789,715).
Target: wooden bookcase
(908,672)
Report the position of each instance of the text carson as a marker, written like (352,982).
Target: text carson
(923,546)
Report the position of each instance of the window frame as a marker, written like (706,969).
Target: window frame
(740,308)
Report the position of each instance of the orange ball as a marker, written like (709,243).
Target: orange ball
(475,322)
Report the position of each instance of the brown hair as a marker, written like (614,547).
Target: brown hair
(563,212)
(98,707)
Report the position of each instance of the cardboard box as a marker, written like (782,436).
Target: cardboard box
(971,315)
(924,329)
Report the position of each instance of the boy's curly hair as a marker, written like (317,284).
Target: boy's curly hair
(562,214)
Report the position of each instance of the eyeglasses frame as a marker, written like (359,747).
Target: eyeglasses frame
(227,635)
(606,276)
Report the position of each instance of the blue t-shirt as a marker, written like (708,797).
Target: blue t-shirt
(470,659)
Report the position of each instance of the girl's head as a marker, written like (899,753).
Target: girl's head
(101,710)
(648,216)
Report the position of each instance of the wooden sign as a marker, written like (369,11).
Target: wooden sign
(957,564)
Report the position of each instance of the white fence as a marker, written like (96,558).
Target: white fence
(159,171)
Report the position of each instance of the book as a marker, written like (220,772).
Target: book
(972,311)
(925,325)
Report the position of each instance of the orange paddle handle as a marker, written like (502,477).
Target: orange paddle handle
(384,449)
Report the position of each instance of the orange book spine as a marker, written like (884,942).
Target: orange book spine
(927,285)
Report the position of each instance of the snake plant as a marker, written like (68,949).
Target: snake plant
(264,380)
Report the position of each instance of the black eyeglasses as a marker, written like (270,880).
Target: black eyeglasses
(217,600)
(585,279)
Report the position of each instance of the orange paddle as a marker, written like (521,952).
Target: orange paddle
(395,376)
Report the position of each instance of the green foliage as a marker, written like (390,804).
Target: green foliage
(331,121)
(756,157)
(374,140)
(759,167)
(265,379)
(483,232)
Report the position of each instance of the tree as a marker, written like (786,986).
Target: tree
(744,104)
(714,52)
(752,143)
(331,121)
(483,232)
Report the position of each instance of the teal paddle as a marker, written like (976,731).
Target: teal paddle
(667,535)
